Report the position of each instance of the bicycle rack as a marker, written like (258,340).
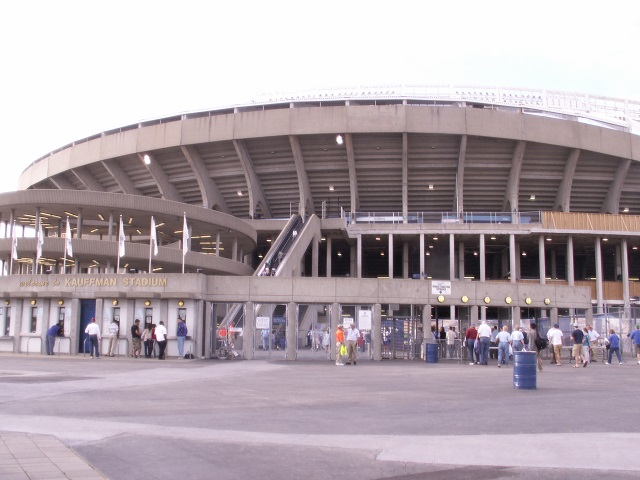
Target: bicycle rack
(33,338)
(127,350)
(60,339)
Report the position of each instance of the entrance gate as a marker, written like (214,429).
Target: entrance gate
(87,312)
(399,338)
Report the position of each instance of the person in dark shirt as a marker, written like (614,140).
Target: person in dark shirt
(578,337)
(51,337)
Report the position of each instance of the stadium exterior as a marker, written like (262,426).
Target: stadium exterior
(415,205)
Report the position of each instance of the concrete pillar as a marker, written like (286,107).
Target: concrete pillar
(624,253)
(405,259)
(44,324)
(334,321)
(570,265)
(292,330)
(515,316)
(218,244)
(483,259)
(234,250)
(599,288)
(483,312)
(423,272)
(541,260)
(473,315)
(329,246)
(390,256)
(512,258)
(358,257)
(554,315)
(376,332)
(452,265)
(315,252)
(249,331)
(355,270)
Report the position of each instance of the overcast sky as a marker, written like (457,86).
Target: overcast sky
(71,69)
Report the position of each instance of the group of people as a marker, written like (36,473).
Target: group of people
(347,345)
(151,335)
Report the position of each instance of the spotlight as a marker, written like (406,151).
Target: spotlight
(339,140)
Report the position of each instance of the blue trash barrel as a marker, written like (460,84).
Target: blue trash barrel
(432,353)
(524,370)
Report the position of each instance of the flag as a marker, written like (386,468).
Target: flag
(14,243)
(40,242)
(154,237)
(185,237)
(67,242)
(121,239)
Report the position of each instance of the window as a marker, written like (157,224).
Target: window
(34,319)
(7,322)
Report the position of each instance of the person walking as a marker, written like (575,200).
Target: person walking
(52,333)
(576,350)
(533,347)
(517,340)
(503,339)
(161,338)
(181,334)
(93,330)
(493,344)
(352,343)
(484,337)
(451,342)
(136,339)
(613,343)
(593,342)
(556,339)
(339,345)
(470,338)
(114,328)
(635,336)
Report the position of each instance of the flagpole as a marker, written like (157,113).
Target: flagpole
(14,243)
(119,233)
(185,239)
(150,242)
(64,264)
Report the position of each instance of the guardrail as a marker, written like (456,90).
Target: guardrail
(446,217)
(29,341)
(60,339)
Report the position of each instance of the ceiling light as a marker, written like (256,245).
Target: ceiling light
(532,197)
(382,254)
(331,189)
(493,238)
(625,209)
(435,239)
(339,139)
(147,159)
(339,254)
(130,220)
(239,192)
(524,254)
(101,217)
(430,187)
(268,240)
(94,230)
(378,238)
(635,247)
(548,239)
(605,239)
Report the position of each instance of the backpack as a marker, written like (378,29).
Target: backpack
(541,341)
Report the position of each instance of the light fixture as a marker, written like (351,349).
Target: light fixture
(94,230)
(430,187)
(378,238)
(548,239)
(239,192)
(508,300)
(493,238)
(147,303)
(268,240)
(260,256)
(605,239)
(487,300)
(440,298)
(547,301)
(331,189)
(428,254)
(60,302)
(635,247)
(130,220)
(382,254)
(528,300)
(475,254)
(101,217)
(33,302)
(524,254)
(435,239)
(180,303)
(114,303)
(532,197)
(464,299)
(147,159)
(625,210)
(339,139)
(7,302)
(339,254)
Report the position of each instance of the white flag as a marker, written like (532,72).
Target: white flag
(185,237)
(154,237)
(40,242)
(121,239)
(14,243)
(67,241)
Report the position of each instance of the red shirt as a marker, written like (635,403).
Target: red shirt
(471,333)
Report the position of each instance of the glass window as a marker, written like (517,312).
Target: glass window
(34,319)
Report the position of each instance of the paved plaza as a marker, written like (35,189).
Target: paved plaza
(80,418)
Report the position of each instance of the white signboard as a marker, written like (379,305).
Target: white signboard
(364,320)
(440,288)
(346,322)
(262,323)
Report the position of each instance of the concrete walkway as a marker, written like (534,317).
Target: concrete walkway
(72,417)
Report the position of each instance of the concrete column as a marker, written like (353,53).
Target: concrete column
(625,277)
(554,315)
(34,270)
(554,264)
(292,330)
(473,314)
(483,312)
(512,258)
(405,260)
(570,264)
(515,316)
(218,244)
(355,270)
(234,250)
(460,261)
(329,246)
(17,311)
(599,290)
(202,331)
(423,272)
(452,264)
(79,223)
(315,252)
(334,321)
(390,256)
(44,324)
(249,331)
(542,260)
(359,256)
(376,332)
(483,259)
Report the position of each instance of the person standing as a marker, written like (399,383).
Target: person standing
(339,344)
(352,343)
(493,344)
(517,340)
(114,328)
(326,339)
(470,337)
(136,339)
(181,334)
(147,340)
(161,338)
(52,333)
(484,337)
(635,336)
(576,350)
(451,342)
(503,339)
(533,336)
(614,346)
(556,339)
(93,330)
(585,345)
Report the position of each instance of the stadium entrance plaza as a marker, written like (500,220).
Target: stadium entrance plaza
(74,417)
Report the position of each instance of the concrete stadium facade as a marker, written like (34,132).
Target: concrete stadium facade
(448,207)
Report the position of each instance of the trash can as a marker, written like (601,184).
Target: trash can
(524,370)
(432,353)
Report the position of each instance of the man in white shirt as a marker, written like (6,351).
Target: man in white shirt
(517,340)
(352,341)
(114,328)
(161,338)
(593,341)
(503,339)
(556,339)
(484,337)
(451,341)
(93,330)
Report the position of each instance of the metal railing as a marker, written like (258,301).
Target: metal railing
(446,217)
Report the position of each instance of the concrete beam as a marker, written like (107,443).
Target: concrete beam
(612,202)
(167,189)
(513,185)
(211,196)
(563,197)
(353,179)
(307,206)
(256,195)
(122,179)
(88,180)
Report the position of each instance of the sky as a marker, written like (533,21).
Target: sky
(71,69)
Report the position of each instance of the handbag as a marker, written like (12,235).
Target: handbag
(343,350)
